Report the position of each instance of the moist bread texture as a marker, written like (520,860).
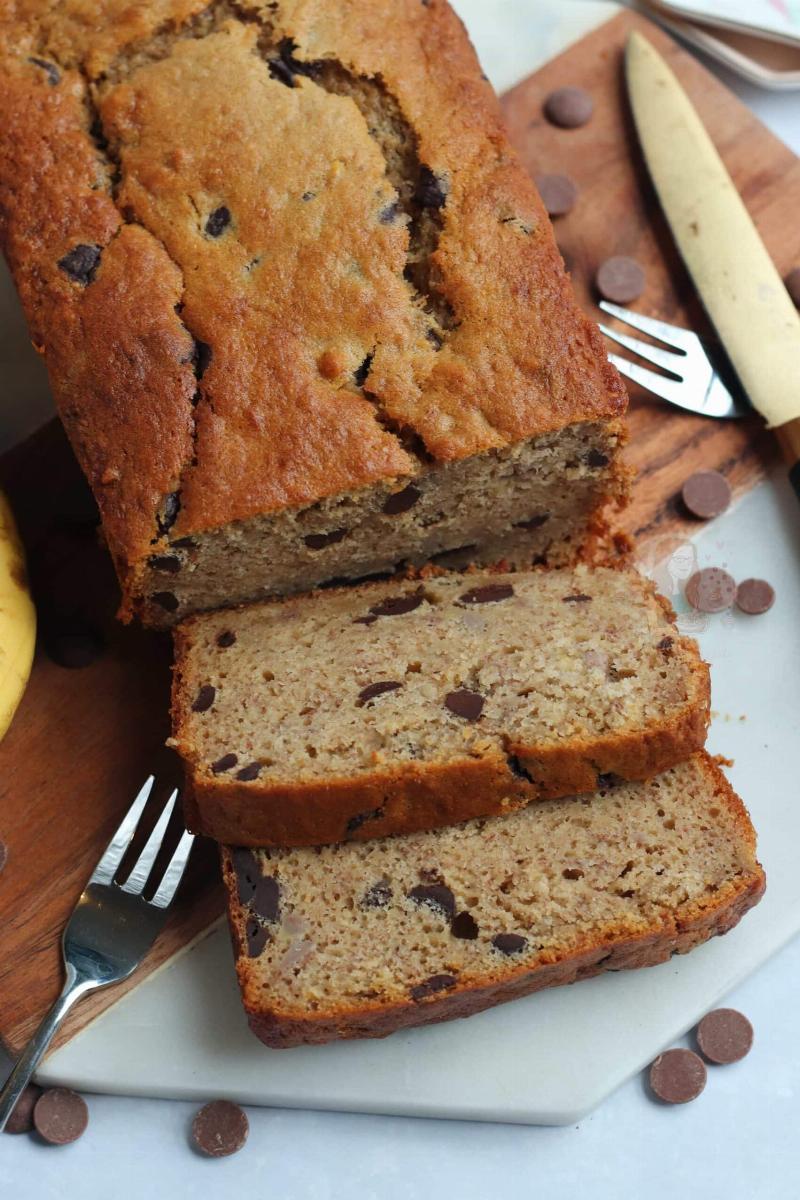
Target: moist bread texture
(393,707)
(302,309)
(363,939)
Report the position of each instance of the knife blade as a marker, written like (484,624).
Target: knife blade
(741,290)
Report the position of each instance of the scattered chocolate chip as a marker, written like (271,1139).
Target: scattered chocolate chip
(220,1128)
(185,543)
(389,214)
(754,596)
(170,507)
(711,590)
(577,598)
(204,698)
(376,689)
(249,773)
(266,900)
(464,926)
(534,522)
(51,70)
(60,1116)
(464,703)
(725,1036)
(80,263)
(430,191)
(400,502)
(436,895)
(792,282)
(225,763)
(169,563)
(218,221)
(378,896)
(665,646)
(596,458)
(318,541)
(201,360)
(359,819)
(248,873)
(72,644)
(256,935)
(489,594)
(620,279)
(362,370)
(432,985)
(569,107)
(706,494)
(509,943)
(21,1119)
(678,1076)
(435,338)
(226,639)
(393,606)
(166,600)
(558,193)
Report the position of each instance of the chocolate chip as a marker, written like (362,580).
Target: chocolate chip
(72,644)
(754,596)
(558,193)
(21,1119)
(308,196)
(620,279)
(569,107)
(281,71)
(509,943)
(376,689)
(393,606)
(318,541)
(169,563)
(792,282)
(170,507)
(572,873)
(378,896)
(362,370)
(185,543)
(220,1128)
(596,458)
(400,502)
(678,1076)
(218,221)
(432,985)
(201,360)
(489,594)
(711,590)
(665,646)
(725,1036)
(465,703)
(435,338)
(607,780)
(80,263)
(225,763)
(577,598)
(256,935)
(52,71)
(60,1116)
(436,896)
(534,522)
(204,698)
(166,600)
(226,639)
(389,214)
(247,871)
(249,773)
(464,926)
(359,819)
(706,494)
(267,899)
(431,192)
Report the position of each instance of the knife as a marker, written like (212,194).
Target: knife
(741,290)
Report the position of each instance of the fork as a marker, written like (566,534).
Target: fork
(111,929)
(693,382)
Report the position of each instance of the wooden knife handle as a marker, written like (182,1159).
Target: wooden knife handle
(788,436)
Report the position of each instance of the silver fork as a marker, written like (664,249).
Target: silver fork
(111,929)
(695,383)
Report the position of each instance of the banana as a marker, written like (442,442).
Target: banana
(17,618)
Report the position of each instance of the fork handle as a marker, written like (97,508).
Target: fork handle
(75,986)
(788,436)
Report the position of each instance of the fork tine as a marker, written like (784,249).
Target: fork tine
(144,864)
(107,867)
(671,390)
(174,872)
(652,354)
(670,335)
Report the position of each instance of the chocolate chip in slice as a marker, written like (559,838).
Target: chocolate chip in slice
(72,643)
(432,985)
(226,639)
(60,1116)
(80,263)
(220,1128)
(170,564)
(256,935)
(170,507)
(436,896)
(792,282)
(678,1076)
(204,698)
(558,193)
(711,590)
(620,279)
(392,606)
(266,900)
(358,819)
(577,598)
(21,1119)
(755,596)
(166,600)
(50,69)
(247,871)
(376,689)
(725,1036)
(509,943)
(534,522)
(490,593)
(224,764)
(596,458)
(377,896)
(218,221)
(400,502)
(249,773)
(318,541)
(465,704)
(464,926)
(431,191)
(569,107)
(706,494)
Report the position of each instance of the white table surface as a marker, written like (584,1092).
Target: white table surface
(740,1139)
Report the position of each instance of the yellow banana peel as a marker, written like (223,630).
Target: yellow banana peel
(17,618)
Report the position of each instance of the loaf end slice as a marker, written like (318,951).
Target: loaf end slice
(361,940)
(403,706)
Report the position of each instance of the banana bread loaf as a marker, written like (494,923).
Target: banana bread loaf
(363,939)
(302,309)
(393,707)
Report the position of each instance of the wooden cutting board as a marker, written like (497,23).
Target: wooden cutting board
(84,739)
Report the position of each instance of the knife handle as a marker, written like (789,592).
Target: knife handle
(788,436)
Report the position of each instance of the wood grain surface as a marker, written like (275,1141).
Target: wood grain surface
(83,740)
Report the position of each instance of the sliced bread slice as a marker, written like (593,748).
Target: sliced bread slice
(362,939)
(403,706)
